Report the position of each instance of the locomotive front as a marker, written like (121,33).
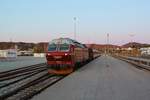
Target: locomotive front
(59,57)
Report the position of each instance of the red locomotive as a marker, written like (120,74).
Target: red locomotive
(64,55)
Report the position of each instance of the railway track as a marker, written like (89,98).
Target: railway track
(35,87)
(23,83)
(15,75)
(12,81)
(21,70)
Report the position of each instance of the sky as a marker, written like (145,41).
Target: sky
(44,20)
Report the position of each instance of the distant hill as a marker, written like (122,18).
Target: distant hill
(135,45)
(130,44)
(21,45)
(42,46)
(101,47)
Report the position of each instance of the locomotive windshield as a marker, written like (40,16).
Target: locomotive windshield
(61,44)
(58,47)
(52,47)
(64,47)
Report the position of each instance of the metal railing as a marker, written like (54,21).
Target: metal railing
(144,63)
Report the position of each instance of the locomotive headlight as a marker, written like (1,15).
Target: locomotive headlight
(48,54)
(66,54)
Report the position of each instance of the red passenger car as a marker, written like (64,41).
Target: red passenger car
(64,55)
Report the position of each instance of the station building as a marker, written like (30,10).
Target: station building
(145,51)
(8,54)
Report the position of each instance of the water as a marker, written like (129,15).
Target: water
(21,61)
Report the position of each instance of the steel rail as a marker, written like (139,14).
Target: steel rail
(12,89)
(36,88)
(19,70)
(20,79)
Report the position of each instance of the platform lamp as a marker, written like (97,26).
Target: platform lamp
(75,19)
(131,35)
(108,43)
(132,46)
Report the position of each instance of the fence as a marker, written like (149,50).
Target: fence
(144,63)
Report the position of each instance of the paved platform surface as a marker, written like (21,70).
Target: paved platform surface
(105,78)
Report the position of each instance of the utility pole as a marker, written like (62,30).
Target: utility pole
(108,43)
(132,35)
(132,45)
(11,44)
(75,27)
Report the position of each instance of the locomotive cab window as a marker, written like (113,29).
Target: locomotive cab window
(52,47)
(64,47)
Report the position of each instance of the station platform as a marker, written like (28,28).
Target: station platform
(105,78)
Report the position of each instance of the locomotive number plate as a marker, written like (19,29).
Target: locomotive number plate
(57,57)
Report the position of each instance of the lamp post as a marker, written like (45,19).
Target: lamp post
(108,43)
(75,27)
(132,46)
(131,35)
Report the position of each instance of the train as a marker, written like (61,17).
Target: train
(64,55)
